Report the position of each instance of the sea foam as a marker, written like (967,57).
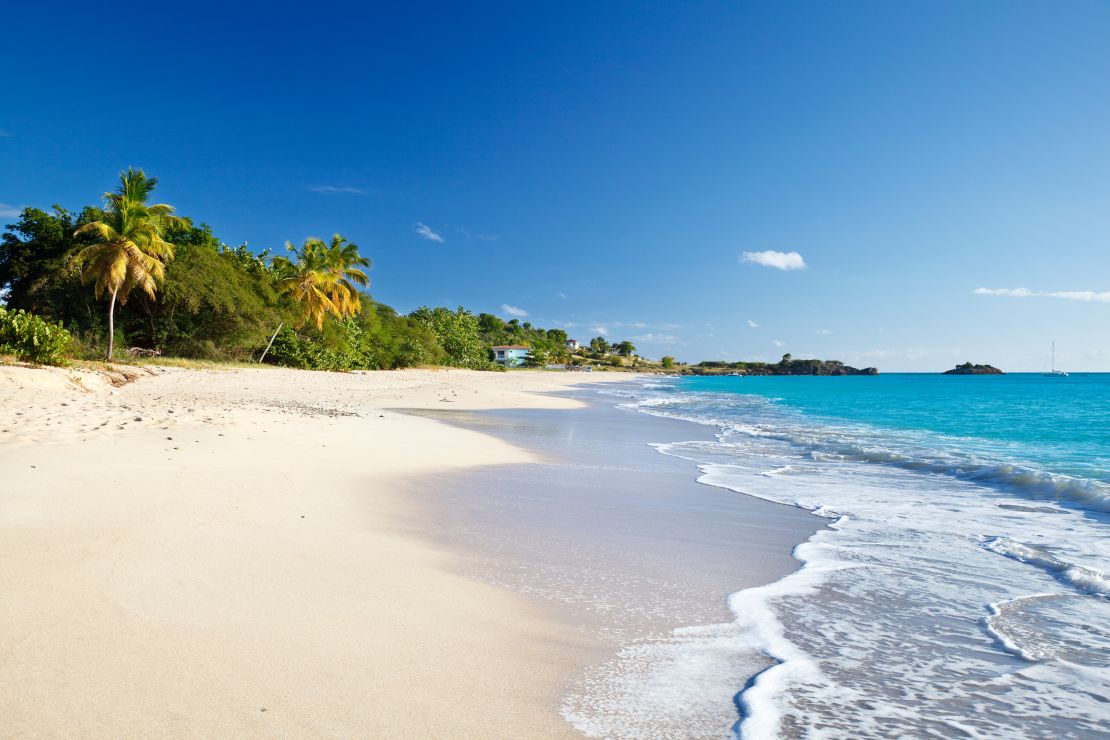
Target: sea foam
(903,619)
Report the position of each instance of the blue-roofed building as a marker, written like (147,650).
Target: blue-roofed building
(510,355)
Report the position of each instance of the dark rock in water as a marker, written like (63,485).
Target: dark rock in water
(968,369)
(787,366)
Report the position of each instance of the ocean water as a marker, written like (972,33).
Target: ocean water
(960,589)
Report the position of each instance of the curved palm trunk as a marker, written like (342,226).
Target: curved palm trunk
(263,357)
(112,322)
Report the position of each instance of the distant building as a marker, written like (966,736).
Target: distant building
(572,345)
(510,355)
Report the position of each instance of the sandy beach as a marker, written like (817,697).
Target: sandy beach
(201,553)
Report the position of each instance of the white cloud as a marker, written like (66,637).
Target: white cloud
(427,233)
(669,339)
(561,295)
(776,342)
(824,332)
(1069,295)
(7,211)
(603,327)
(777,260)
(513,310)
(336,189)
(752,324)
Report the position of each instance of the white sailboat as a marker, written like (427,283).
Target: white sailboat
(1054,373)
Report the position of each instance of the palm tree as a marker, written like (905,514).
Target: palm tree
(322,280)
(130,252)
(308,281)
(343,263)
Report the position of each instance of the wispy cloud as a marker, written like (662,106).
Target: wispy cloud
(776,342)
(467,234)
(5,134)
(330,189)
(777,260)
(513,310)
(426,232)
(752,324)
(562,295)
(824,332)
(1089,296)
(7,211)
(600,330)
(908,353)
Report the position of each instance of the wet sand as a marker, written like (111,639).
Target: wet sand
(278,553)
(606,532)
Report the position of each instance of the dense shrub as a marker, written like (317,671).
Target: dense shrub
(457,333)
(308,353)
(30,338)
(378,339)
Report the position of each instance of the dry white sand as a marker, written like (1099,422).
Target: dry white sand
(212,553)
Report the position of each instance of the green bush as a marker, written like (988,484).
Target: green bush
(31,339)
(341,347)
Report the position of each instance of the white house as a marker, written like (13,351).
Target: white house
(572,345)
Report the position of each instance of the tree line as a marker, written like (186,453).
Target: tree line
(135,274)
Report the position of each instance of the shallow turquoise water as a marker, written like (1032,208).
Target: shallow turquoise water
(962,587)
(1063,424)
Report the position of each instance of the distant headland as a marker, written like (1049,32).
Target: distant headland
(968,369)
(786,366)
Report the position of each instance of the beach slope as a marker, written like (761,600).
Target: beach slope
(203,553)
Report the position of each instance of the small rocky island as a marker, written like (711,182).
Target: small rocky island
(786,366)
(968,369)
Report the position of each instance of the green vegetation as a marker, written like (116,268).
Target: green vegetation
(458,334)
(969,369)
(174,290)
(31,339)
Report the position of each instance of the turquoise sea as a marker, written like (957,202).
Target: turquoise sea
(962,585)
(1061,424)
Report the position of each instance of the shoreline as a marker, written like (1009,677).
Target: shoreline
(609,535)
(230,552)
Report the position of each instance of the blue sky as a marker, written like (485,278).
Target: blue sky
(606,165)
